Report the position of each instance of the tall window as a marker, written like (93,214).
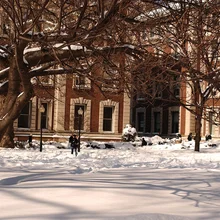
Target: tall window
(140,96)
(157,122)
(140,121)
(211,123)
(110,81)
(158,91)
(175,121)
(44,122)
(82,82)
(107,119)
(176,90)
(176,86)
(24,118)
(78,120)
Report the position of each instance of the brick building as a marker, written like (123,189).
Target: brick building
(104,113)
(157,113)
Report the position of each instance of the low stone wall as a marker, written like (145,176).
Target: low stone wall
(65,137)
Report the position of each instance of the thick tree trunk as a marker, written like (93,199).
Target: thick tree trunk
(7,141)
(198,133)
(19,92)
(198,127)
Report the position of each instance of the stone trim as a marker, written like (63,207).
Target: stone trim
(115,116)
(172,109)
(157,109)
(87,112)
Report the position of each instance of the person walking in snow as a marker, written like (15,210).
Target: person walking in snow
(190,137)
(73,144)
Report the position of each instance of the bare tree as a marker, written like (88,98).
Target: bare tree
(185,38)
(51,37)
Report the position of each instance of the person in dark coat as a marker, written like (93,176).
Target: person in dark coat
(71,139)
(190,137)
(143,142)
(208,137)
(74,144)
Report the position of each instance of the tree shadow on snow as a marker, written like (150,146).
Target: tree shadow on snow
(199,187)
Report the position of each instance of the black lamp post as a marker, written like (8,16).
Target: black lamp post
(80,113)
(42,109)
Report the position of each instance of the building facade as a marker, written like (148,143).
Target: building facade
(159,116)
(105,111)
(104,114)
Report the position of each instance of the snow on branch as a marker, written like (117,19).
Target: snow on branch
(3,53)
(1,119)
(4,73)
(3,83)
(4,70)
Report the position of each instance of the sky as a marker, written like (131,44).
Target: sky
(166,181)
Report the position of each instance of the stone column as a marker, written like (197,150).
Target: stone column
(59,103)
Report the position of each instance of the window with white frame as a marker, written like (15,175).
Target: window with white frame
(140,121)
(158,88)
(110,81)
(79,119)
(24,118)
(140,96)
(176,86)
(85,105)
(176,90)
(214,122)
(175,122)
(44,116)
(158,85)
(157,122)
(211,125)
(82,82)
(107,118)
(142,80)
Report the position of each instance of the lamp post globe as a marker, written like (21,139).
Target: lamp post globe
(80,112)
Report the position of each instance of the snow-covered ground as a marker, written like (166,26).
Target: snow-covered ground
(162,181)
